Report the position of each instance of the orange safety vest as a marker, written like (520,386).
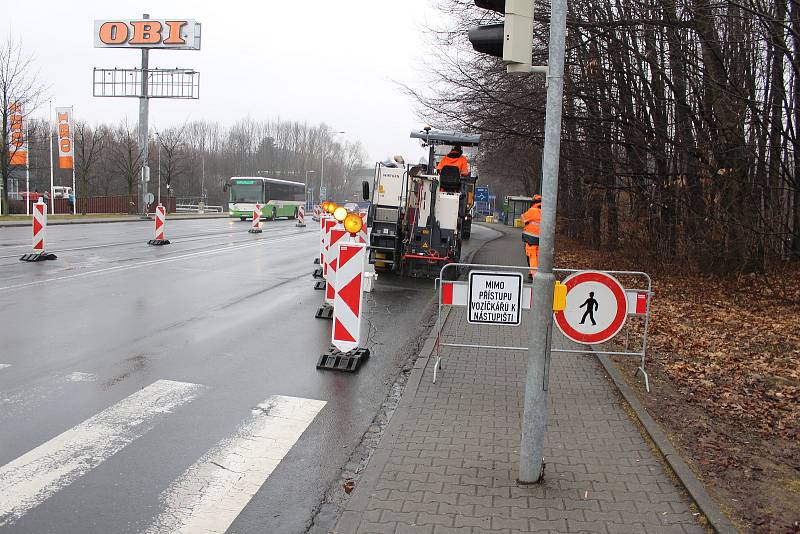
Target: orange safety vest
(532,219)
(460,162)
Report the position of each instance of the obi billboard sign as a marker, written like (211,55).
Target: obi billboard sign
(178,34)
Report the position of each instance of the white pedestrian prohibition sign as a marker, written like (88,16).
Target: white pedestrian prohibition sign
(495,298)
(596,307)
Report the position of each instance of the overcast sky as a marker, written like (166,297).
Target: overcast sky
(314,61)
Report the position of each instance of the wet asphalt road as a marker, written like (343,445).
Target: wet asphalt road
(228,311)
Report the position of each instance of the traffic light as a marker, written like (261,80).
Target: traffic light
(513,39)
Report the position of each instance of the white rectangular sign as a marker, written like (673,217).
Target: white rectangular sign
(495,298)
(180,34)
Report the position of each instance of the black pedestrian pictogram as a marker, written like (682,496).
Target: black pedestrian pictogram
(591,307)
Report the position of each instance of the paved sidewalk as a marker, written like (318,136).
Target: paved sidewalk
(449,459)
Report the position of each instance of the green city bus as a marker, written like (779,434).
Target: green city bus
(278,198)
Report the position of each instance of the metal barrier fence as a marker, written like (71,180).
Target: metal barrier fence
(454,292)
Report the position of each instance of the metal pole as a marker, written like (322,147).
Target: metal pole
(158,140)
(52,171)
(143,121)
(27,172)
(74,190)
(534,419)
(322,177)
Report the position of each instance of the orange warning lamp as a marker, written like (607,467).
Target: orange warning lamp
(353,223)
(340,214)
(331,207)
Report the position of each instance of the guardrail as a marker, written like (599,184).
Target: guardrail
(195,208)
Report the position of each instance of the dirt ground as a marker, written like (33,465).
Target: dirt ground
(724,364)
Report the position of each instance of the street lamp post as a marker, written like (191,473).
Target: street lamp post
(308,206)
(322,170)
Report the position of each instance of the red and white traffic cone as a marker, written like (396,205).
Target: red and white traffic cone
(256,228)
(345,353)
(161,222)
(39,233)
(301,216)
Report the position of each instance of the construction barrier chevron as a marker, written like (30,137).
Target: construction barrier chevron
(345,353)
(39,234)
(301,217)
(161,221)
(334,238)
(256,227)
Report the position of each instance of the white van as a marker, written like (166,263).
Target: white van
(62,191)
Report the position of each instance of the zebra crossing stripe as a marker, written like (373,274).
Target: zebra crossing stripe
(38,474)
(215,489)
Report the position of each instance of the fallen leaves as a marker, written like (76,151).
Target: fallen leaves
(730,344)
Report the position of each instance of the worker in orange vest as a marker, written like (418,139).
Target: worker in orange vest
(530,234)
(455,158)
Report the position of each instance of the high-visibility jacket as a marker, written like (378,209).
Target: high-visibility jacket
(457,161)
(533,219)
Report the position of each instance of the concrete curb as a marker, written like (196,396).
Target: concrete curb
(707,505)
(57,222)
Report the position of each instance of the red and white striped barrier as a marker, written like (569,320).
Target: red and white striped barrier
(457,294)
(347,307)
(329,223)
(301,216)
(333,239)
(161,221)
(39,234)
(345,353)
(256,227)
(337,234)
(317,213)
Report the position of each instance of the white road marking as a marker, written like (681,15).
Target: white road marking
(152,262)
(36,475)
(4,365)
(215,489)
(77,376)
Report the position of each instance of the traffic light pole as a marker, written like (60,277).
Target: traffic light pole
(534,419)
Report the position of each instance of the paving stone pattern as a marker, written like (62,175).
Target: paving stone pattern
(450,466)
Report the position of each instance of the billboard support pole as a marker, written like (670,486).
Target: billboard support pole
(143,123)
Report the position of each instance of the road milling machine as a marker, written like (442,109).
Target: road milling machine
(418,218)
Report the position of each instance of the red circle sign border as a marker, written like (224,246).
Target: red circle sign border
(622,307)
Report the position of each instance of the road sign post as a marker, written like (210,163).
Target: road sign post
(534,418)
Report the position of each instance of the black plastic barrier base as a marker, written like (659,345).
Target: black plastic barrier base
(324,312)
(38,256)
(319,285)
(337,360)
(316,261)
(158,242)
(317,272)
(254,231)
(300,225)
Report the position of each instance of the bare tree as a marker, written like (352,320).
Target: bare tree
(19,85)
(89,145)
